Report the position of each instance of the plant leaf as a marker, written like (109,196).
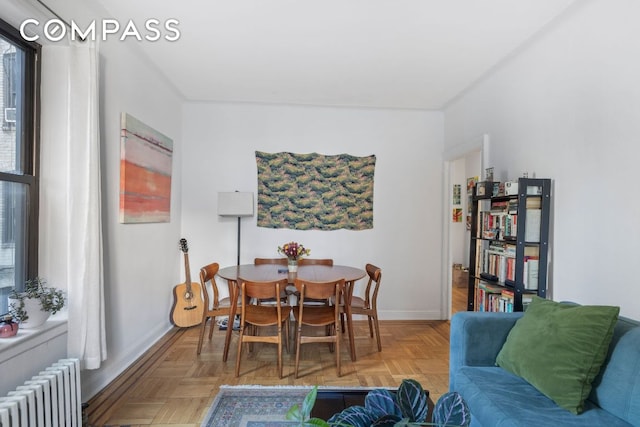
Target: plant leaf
(381,402)
(412,400)
(316,422)
(309,401)
(451,409)
(356,416)
(387,421)
(294,413)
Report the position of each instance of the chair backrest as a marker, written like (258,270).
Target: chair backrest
(262,290)
(278,261)
(319,290)
(315,261)
(207,274)
(375,277)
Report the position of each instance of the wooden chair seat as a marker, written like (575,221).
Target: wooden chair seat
(321,315)
(265,315)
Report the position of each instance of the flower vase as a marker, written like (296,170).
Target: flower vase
(293,265)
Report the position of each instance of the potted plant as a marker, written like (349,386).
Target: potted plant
(33,306)
(407,407)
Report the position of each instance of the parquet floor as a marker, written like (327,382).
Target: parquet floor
(172,386)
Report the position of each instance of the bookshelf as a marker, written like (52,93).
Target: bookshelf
(509,248)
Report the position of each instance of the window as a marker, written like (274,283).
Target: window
(19,119)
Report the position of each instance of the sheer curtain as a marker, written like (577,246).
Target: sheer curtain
(70,216)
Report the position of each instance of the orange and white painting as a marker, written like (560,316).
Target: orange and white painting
(145,173)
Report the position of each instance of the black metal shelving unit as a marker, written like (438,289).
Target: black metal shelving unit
(528,188)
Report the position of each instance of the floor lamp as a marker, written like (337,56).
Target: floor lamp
(236,204)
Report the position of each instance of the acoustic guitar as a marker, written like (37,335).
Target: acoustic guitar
(188,305)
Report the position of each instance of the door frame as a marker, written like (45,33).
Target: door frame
(480,143)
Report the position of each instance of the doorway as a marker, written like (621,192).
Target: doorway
(461,164)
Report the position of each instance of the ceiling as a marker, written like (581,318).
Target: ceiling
(417,54)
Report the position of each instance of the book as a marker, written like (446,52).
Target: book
(530,275)
(532,225)
(507,297)
(487,296)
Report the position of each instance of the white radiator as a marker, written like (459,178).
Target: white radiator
(50,398)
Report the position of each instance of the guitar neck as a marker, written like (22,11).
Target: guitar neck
(187,272)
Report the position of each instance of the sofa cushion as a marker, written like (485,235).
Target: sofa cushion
(499,398)
(617,387)
(559,349)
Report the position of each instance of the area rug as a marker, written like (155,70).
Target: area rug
(253,406)
(256,406)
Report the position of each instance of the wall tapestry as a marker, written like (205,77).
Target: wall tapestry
(314,191)
(145,173)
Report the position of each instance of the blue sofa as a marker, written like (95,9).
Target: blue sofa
(499,398)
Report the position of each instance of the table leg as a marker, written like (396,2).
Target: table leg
(233,292)
(347,309)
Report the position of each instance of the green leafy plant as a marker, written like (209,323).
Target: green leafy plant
(51,299)
(407,407)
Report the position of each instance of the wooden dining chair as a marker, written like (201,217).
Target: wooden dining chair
(213,307)
(367,303)
(315,261)
(310,261)
(284,296)
(315,316)
(254,316)
(277,261)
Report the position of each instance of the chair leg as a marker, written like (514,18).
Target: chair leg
(212,326)
(377,325)
(331,330)
(298,349)
(286,331)
(280,351)
(370,326)
(338,351)
(201,338)
(239,350)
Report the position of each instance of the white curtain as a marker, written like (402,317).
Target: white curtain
(70,216)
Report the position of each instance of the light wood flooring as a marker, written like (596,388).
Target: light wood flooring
(172,386)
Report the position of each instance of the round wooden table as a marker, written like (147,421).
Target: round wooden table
(270,272)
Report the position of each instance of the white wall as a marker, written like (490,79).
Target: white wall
(220,141)
(141,260)
(567,108)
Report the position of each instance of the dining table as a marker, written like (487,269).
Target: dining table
(272,272)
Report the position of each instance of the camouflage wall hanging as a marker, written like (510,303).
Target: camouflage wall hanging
(314,191)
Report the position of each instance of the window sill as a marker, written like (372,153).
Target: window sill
(27,339)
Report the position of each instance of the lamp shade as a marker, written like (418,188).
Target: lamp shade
(235,203)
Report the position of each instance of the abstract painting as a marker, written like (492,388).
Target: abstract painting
(145,173)
(315,191)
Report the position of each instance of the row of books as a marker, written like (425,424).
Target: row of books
(499,262)
(493,298)
(496,298)
(498,225)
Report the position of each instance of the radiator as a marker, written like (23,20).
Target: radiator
(50,398)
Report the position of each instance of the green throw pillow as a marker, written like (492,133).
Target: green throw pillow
(559,349)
